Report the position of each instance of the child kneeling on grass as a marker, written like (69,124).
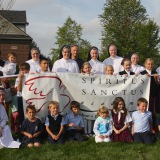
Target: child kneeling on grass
(32,128)
(74,124)
(142,123)
(102,126)
(54,125)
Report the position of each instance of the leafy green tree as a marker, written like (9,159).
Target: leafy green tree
(126,24)
(70,33)
(149,40)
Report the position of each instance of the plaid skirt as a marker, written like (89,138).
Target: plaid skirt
(124,136)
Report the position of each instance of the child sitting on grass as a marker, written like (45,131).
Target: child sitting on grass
(121,119)
(74,124)
(53,124)
(102,126)
(31,128)
(142,123)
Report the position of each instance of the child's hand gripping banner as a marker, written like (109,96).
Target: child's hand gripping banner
(91,91)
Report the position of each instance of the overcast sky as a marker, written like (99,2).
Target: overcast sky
(45,16)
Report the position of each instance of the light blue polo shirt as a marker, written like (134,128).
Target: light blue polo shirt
(70,118)
(141,121)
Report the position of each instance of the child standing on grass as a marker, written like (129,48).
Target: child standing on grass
(86,68)
(31,128)
(109,70)
(121,119)
(126,63)
(43,66)
(102,126)
(53,124)
(88,124)
(74,124)
(24,69)
(142,129)
(153,95)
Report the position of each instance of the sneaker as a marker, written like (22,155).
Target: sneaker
(90,134)
(86,135)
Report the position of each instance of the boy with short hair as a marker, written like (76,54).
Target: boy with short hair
(142,123)
(43,65)
(53,124)
(24,69)
(74,124)
(32,128)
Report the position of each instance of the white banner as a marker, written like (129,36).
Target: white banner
(89,91)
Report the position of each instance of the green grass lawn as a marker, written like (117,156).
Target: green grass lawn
(88,150)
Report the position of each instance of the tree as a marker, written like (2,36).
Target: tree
(70,33)
(126,24)
(149,40)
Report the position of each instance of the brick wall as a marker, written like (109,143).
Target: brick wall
(21,49)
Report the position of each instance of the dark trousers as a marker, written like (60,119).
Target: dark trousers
(75,135)
(20,110)
(58,141)
(145,137)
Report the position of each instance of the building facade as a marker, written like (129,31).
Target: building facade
(13,36)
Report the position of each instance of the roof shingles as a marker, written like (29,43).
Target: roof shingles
(14,16)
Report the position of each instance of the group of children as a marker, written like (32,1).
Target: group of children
(59,128)
(116,125)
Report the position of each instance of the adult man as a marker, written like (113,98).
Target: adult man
(74,55)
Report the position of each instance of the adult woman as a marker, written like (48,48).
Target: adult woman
(6,139)
(114,59)
(135,67)
(93,58)
(65,64)
(34,62)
